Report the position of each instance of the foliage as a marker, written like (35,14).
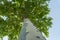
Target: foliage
(16,10)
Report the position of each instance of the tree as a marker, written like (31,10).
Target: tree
(16,11)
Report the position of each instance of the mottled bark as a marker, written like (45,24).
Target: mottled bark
(30,32)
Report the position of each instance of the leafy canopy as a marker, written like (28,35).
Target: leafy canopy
(13,12)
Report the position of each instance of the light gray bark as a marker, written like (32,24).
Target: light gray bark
(22,35)
(29,32)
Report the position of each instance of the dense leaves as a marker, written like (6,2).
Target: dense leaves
(13,12)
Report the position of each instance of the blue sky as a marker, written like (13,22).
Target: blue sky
(54,6)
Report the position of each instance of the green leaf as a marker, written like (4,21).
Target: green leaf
(16,10)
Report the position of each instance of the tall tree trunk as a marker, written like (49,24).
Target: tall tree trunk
(29,32)
(22,35)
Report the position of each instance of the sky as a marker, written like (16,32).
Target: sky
(5,38)
(54,32)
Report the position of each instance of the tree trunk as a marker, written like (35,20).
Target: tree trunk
(22,35)
(29,32)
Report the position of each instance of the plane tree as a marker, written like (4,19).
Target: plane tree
(13,13)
